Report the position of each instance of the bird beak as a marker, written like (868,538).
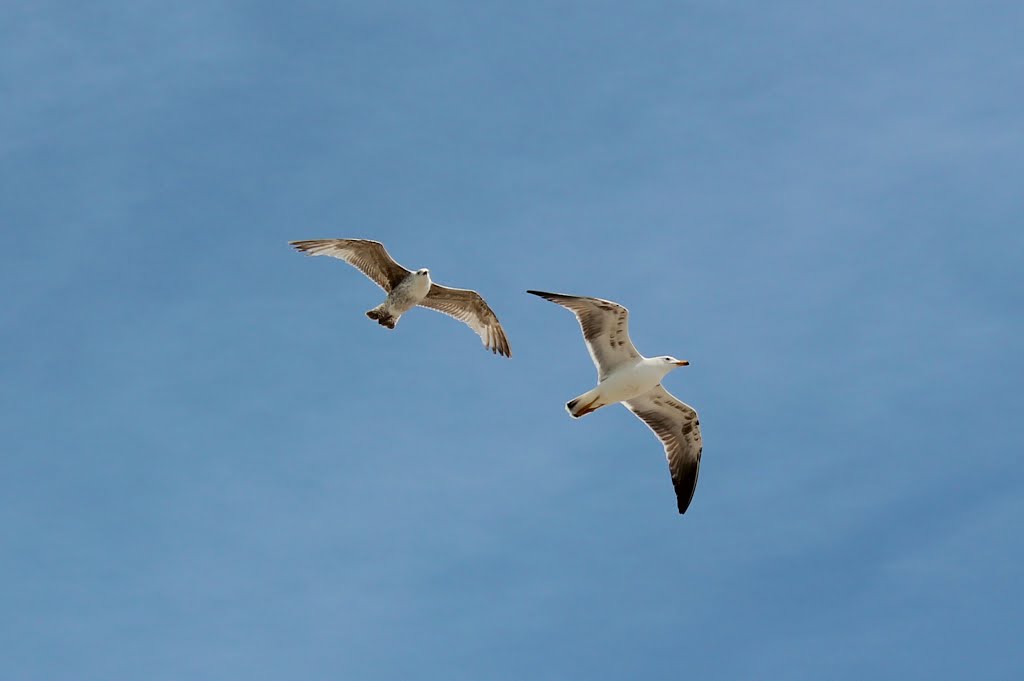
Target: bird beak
(682,363)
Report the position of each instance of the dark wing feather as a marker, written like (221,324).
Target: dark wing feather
(369,257)
(677,426)
(605,329)
(468,307)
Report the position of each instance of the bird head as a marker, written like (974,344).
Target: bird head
(423,272)
(669,363)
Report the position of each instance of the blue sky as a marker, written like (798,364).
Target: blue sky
(818,204)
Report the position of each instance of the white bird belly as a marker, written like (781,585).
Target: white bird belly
(627,383)
(408,294)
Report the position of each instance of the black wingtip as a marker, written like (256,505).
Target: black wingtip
(684,499)
(683,502)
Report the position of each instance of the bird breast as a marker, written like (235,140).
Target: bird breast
(409,292)
(629,381)
(421,287)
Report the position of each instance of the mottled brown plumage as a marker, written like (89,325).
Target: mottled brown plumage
(408,289)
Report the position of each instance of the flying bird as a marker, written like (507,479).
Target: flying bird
(624,375)
(407,289)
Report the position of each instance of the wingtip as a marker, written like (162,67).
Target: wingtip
(499,348)
(683,503)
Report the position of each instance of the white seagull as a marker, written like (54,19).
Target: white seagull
(624,375)
(408,289)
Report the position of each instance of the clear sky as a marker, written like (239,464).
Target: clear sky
(215,467)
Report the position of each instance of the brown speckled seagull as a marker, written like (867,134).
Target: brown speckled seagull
(624,375)
(408,289)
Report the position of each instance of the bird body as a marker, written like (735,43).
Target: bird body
(407,294)
(626,376)
(624,383)
(407,289)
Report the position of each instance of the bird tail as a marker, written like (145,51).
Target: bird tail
(382,316)
(584,404)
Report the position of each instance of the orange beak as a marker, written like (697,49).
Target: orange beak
(682,363)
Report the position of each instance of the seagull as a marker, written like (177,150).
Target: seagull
(624,375)
(408,289)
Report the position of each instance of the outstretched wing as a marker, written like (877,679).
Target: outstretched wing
(467,306)
(677,426)
(369,257)
(605,329)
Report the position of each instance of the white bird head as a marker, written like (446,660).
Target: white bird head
(423,272)
(666,363)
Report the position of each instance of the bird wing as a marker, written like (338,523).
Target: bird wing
(469,307)
(605,329)
(677,426)
(369,257)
